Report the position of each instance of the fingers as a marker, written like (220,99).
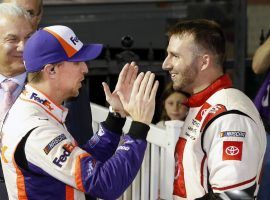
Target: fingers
(144,83)
(123,73)
(132,73)
(137,84)
(149,85)
(154,91)
(107,91)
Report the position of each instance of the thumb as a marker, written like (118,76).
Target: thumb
(107,91)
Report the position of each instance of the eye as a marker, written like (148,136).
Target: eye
(31,13)
(170,103)
(11,39)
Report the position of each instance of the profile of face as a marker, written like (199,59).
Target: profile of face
(33,7)
(14,32)
(182,62)
(174,108)
(69,77)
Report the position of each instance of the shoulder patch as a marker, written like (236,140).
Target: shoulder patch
(54,142)
(233,134)
(232,150)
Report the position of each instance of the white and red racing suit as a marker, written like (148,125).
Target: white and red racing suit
(222,144)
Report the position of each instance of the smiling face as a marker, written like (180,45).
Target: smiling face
(182,62)
(14,32)
(174,108)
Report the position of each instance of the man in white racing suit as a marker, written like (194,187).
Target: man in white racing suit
(221,147)
(41,160)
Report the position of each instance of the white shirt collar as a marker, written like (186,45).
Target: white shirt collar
(19,79)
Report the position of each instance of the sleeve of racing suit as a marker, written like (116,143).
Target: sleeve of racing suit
(234,147)
(102,148)
(79,169)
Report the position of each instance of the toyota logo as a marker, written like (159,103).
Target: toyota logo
(232,150)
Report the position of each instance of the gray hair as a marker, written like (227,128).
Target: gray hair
(10,9)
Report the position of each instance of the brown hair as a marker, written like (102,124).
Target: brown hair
(166,93)
(207,34)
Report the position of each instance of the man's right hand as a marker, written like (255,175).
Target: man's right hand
(141,105)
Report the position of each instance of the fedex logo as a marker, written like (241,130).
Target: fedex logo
(68,148)
(45,102)
(74,40)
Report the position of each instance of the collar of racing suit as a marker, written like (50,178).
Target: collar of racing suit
(200,98)
(32,95)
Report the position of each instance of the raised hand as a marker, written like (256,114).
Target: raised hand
(124,85)
(141,104)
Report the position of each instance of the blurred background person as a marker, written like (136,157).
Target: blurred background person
(172,107)
(33,7)
(261,65)
(15,29)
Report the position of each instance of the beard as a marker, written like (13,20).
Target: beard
(184,80)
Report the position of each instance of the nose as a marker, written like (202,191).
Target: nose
(166,64)
(176,107)
(84,68)
(20,46)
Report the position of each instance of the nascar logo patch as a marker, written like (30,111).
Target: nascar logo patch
(53,143)
(233,134)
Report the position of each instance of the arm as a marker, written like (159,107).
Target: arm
(104,143)
(73,166)
(240,144)
(102,148)
(261,59)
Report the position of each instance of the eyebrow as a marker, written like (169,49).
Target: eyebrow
(9,35)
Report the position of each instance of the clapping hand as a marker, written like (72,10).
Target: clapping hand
(140,104)
(124,85)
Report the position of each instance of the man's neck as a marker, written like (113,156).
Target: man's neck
(51,93)
(206,79)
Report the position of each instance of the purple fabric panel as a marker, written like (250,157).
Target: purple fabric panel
(261,100)
(40,185)
(103,144)
(110,179)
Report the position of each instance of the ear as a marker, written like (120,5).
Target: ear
(205,61)
(49,69)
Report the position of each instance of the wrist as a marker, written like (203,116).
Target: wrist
(116,113)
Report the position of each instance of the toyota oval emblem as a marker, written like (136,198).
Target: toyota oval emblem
(232,150)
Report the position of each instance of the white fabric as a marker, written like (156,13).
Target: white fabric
(234,174)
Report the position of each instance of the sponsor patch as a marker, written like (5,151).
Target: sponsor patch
(34,96)
(233,134)
(214,111)
(232,150)
(54,142)
(68,148)
(202,111)
(123,148)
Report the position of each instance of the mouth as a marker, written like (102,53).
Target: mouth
(18,57)
(173,76)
